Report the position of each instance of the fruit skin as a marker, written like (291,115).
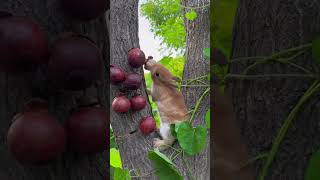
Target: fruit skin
(121,104)
(218,57)
(136,57)
(36,138)
(75,64)
(36,105)
(133,81)
(22,44)
(117,75)
(147,125)
(87,130)
(85,10)
(138,102)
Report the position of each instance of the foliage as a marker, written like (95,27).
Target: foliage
(115,160)
(316,49)
(113,143)
(206,52)
(121,174)
(284,57)
(191,15)
(167,22)
(222,20)
(221,23)
(312,172)
(192,140)
(164,167)
(207,118)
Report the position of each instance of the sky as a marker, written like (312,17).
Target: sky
(149,44)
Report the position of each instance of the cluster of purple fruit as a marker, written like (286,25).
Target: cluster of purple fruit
(131,81)
(35,136)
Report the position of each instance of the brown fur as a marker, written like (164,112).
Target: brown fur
(170,101)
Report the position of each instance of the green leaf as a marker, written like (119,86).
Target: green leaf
(113,143)
(191,15)
(167,23)
(316,49)
(115,159)
(192,140)
(121,174)
(312,172)
(206,52)
(221,21)
(207,118)
(111,172)
(163,166)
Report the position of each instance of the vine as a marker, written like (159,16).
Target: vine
(284,57)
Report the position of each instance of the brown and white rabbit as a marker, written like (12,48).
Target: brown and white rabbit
(170,102)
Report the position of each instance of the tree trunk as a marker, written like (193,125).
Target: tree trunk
(262,28)
(133,146)
(198,38)
(124,35)
(15,91)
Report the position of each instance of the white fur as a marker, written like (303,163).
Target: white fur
(165,131)
(167,138)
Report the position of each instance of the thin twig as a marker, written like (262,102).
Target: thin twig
(143,175)
(198,103)
(276,55)
(252,160)
(176,155)
(200,85)
(188,168)
(295,65)
(241,59)
(194,79)
(196,7)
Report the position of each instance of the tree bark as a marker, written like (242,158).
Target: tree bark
(262,28)
(16,90)
(133,145)
(124,35)
(198,38)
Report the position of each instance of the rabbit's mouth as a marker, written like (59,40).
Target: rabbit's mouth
(149,63)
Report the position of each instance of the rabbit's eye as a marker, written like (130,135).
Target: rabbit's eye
(157,74)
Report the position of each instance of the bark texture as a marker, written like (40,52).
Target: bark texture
(133,145)
(124,35)
(262,28)
(198,38)
(16,90)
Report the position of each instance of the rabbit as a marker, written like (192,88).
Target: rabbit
(170,102)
